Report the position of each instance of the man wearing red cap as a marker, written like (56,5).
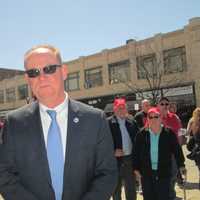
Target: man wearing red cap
(172,121)
(123,131)
(153,150)
(169,119)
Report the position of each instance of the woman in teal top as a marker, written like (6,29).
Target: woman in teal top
(153,150)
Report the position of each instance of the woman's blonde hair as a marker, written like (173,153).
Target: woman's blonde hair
(195,120)
(196,114)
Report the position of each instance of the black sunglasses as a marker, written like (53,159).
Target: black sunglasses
(164,104)
(35,72)
(153,117)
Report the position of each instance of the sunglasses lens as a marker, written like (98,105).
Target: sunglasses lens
(32,73)
(164,104)
(153,117)
(50,69)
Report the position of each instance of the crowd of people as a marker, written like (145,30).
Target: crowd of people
(155,150)
(57,148)
(158,161)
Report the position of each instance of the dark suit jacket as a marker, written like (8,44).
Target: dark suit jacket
(90,167)
(140,118)
(116,132)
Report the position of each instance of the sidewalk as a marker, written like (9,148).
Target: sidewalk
(192,184)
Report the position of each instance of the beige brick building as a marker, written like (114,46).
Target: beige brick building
(96,79)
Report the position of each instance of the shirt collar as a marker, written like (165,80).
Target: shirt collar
(58,108)
(153,133)
(120,120)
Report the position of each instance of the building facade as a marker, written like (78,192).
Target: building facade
(168,64)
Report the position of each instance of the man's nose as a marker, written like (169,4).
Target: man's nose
(42,75)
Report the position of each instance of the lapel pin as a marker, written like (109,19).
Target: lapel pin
(76,120)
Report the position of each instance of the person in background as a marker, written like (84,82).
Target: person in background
(172,107)
(1,124)
(194,122)
(169,119)
(172,121)
(141,116)
(153,149)
(55,148)
(123,131)
(1,130)
(181,138)
(193,144)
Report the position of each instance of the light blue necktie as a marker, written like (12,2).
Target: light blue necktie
(55,155)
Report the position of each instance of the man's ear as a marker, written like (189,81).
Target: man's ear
(64,71)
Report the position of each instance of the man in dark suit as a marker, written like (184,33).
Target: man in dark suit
(32,164)
(123,131)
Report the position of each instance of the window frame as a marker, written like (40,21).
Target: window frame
(141,60)
(113,67)
(72,76)
(89,74)
(180,53)
(10,91)
(2,97)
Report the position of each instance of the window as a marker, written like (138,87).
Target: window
(93,77)
(174,60)
(23,91)
(1,96)
(10,94)
(146,66)
(119,72)
(72,81)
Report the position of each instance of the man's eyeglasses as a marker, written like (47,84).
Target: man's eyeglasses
(153,117)
(35,72)
(164,104)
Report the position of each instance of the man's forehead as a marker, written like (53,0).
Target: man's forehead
(121,106)
(41,50)
(164,101)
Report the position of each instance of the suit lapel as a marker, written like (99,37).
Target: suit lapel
(73,135)
(37,138)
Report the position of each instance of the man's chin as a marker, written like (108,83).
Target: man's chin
(46,96)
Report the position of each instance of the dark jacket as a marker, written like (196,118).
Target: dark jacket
(140,118)
(90,167)
(168,146)
(193,146)
(116,132)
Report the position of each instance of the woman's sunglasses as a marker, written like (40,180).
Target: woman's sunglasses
(35,72)
(153,117)
(164,104)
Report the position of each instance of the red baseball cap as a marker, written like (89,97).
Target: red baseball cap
(154,110)
(119,103)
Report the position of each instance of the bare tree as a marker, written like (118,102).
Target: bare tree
(149,68)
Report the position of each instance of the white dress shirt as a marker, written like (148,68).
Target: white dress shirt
(126,140)
(61,117)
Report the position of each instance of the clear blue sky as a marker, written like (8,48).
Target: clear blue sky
(84,27)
